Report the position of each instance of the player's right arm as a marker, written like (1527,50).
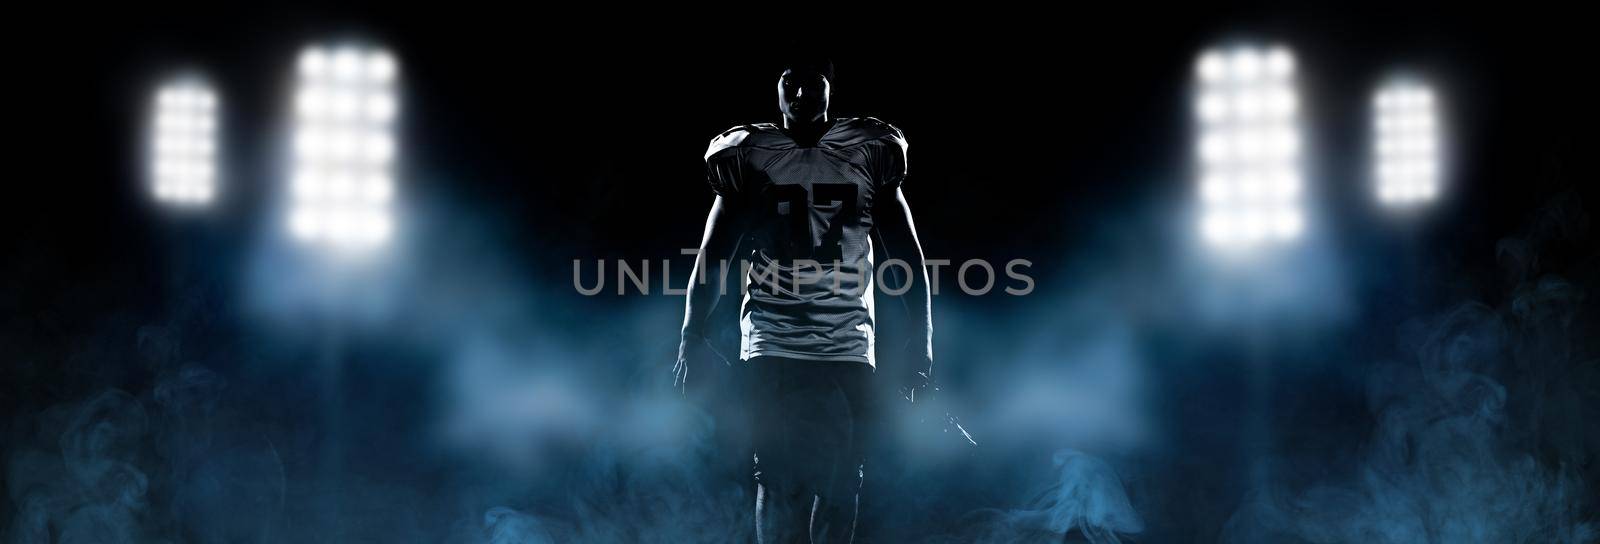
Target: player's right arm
(720,241)
(717,245)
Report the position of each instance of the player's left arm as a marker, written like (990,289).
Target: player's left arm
(897,235)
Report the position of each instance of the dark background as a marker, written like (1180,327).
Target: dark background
(167,377)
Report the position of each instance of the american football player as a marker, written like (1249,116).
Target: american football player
(805,203)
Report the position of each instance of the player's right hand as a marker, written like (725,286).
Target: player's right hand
(695,356)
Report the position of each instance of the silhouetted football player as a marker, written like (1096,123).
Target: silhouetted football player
(802,203)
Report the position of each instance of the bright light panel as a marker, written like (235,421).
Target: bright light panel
(1250,183)
(1405,144)
(344,147)
(183,144)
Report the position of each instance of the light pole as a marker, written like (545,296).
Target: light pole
(1407,163)
(181,169)
(1251,189)
(340,199)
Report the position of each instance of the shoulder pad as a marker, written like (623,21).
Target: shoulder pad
(860,130)
(765,135)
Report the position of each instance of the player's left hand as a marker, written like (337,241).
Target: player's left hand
(917,382)
(922,392)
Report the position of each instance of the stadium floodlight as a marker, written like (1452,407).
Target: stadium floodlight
(342,179)
(1250,179)
(183,143)
(1405,144)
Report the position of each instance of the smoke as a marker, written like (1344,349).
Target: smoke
(1088,500)
(90,484)
(588,446)
(1073,384)
(1483,427)
(511,413)
(459,400)
(474,402)
(123,467)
